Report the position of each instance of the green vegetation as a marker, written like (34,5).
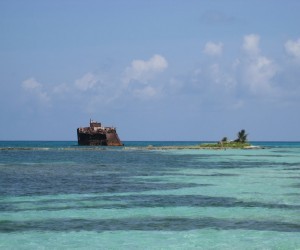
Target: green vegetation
(225,139)
(221,145)
(240,142)
(242,136)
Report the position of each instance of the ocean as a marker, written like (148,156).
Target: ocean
(57,195)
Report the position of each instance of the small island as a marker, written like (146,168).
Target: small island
(241,142)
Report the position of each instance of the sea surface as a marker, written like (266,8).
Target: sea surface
(57,195)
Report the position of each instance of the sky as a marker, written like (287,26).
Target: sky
(172,70)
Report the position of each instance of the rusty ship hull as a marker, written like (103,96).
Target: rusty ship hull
(96,135)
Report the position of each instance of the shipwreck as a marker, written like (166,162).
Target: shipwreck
(97,135)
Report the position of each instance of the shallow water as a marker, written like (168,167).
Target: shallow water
(57,195)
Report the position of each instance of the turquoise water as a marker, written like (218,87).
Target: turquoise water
(57,195)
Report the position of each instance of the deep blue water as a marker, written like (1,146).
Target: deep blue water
(57,195)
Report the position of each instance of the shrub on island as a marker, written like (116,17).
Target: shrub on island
(239,142)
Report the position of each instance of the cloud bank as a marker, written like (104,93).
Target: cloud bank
(250,75)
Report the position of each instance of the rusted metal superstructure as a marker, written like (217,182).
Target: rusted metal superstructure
(96,135)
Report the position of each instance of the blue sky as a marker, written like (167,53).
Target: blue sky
(157,70)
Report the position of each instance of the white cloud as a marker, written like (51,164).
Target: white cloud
(221,78)
(31,84)
(259,74)
(251,74)
(293,48)
(213,49)
(257,71)
(86,82)
(36,88)
(251,44)
(143,71)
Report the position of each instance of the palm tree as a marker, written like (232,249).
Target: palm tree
(225,139)
(242,136)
